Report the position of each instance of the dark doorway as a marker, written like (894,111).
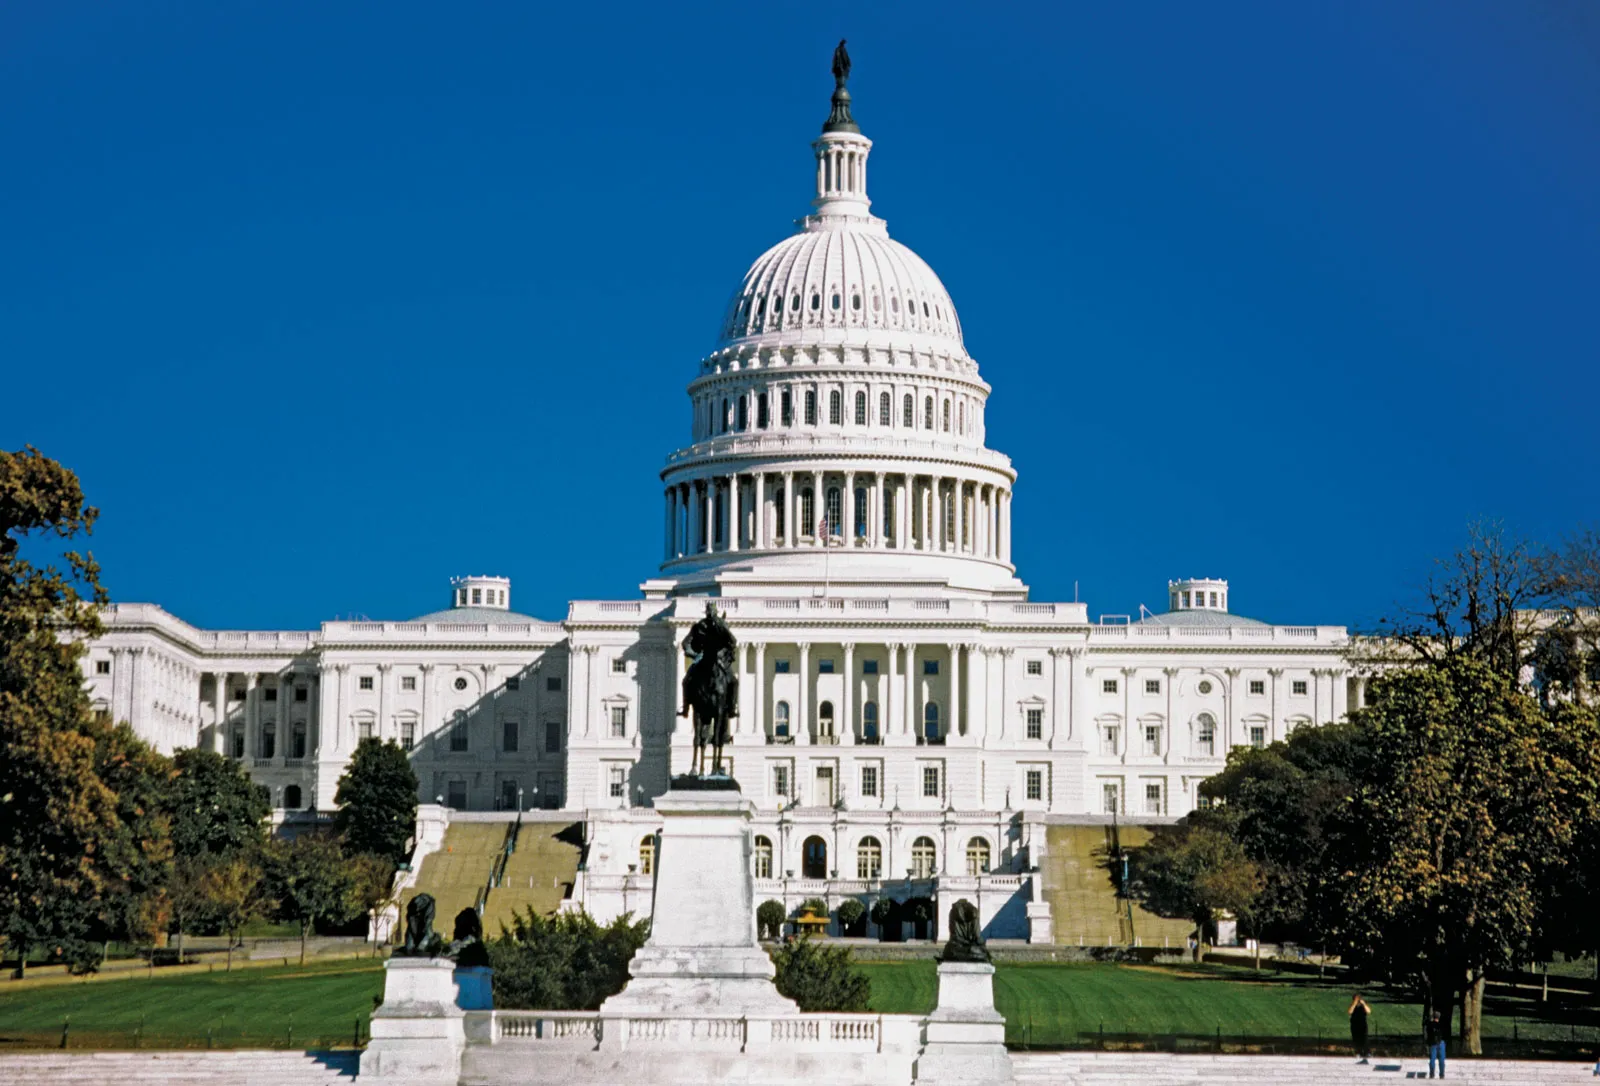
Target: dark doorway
(814,859)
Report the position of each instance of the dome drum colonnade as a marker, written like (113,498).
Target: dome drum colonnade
(840,407)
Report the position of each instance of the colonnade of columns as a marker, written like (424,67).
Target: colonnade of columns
(254,716)
(808,508)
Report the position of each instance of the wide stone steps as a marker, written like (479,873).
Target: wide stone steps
(1156,1069)
(458,870)
(538,875)
(235,1068)
(1083,901)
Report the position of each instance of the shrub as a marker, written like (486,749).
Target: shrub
(850,913)
(815,906)
(821,978)
(885,911)
(563,963)
(770,916)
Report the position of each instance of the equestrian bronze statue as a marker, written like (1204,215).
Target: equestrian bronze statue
(710,688)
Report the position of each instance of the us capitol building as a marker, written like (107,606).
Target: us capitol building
(905,705)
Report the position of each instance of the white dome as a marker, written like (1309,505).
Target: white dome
(847,276)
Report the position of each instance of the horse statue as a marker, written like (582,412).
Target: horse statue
(711,688)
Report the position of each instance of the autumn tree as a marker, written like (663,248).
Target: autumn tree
(1194,872)
(311,882)
(235,892)
(377,800)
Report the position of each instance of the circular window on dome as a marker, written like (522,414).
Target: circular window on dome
(794,303)
(894,305)
(835,303)
(855,301)
(924,309)
(1205,686)
(816,302)
(461,684)
(877,303)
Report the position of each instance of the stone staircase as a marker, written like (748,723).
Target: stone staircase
(1157,1069)
(458,870)
(1082,897)
(238,1068)
(538,875)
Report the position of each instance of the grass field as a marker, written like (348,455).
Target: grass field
(1049,1005)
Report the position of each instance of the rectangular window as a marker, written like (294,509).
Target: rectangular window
(364,682)
(780,781)
(786,407)
(1035,723)
(508,736)
(906,419)
(455,795)
(761,411)
(553,684)
(302,694)
(102,667)
(407,682)
(365,729)
(869,667)
(1035,667)
(408,734)
(1258,686)
(102,716)
(824,796)
(869,781)
(297,739)
(618,787)
(1108,686)
(238,695)
(619,666)
(1035,784)
(824,667)
(238,743)
(930,781)
(1152,739)
(1207,738)
(1110,799)
(514,683)
(269,693)
(1112,735)
(1152,799)
(552,737)
(780,667)
(811,407)
(458,737)
(1298,688)
(1152,686)
(619,721)
(835,409)
(1258,736)
(930,667)
(269,739)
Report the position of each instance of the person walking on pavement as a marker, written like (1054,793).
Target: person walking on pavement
(1358,1025)
(1433,1036)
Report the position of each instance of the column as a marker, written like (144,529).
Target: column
(800,725)
(875,533)
(908,700)
(791,533)
(1276,692)
(136,685)
(955,691)
(219,710)
(975,688)
(666,542)
(847,508)
(891,696)
(677,681)
(757,724)
(313,714)
(759,538)
(424,724)
(902,514)
(735,518)
(708,507)
(588,689)
(252,716)
(819,508)
(927,538)
(1005,526)
(382,731)
(1060,715)
(849,694)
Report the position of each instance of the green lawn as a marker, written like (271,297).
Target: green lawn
(316,1005)
(1056,1004)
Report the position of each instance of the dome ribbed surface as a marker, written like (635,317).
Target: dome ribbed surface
(845,276)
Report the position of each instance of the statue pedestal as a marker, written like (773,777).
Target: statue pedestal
(418,1033)
(703,957)
(965,1038)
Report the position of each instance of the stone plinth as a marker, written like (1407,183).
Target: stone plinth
(965,1038)
(703,957)
(417,1034)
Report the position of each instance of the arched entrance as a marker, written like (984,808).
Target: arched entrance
(814,859)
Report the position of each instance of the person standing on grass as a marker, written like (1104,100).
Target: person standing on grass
(1433,1036)
(1358,1025)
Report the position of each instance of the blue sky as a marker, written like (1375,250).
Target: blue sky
(327,302)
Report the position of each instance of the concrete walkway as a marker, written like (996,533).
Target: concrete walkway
(1157,1069)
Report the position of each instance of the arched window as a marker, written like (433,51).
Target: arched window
(763,858)
(716,517)
(780,509)
(835,511)
(291,797)
(961,417)
(835,408)
(907,409)
(927,413)
(811,407)
(647,855)
(794,303)
(861,512)
(814,859)
(825,720)
(1205,735)
(869,859)
(744,414)
(780,719)
(977,857)
(947,416)
(930,720)
(869,722)
(861,408)
(834,302)
(763,419)
(924,858)
(885,409)
(950,514)
(888,519)
(808,513)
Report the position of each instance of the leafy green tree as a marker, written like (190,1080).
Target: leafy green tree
(138,860)
(563,962)
(850,913)
(217,810)
(311,881)
(235,892)
(821,978)
(885,913)
(57,816)
(1196,873)
(187,902)
(770,916)
(377,800)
